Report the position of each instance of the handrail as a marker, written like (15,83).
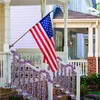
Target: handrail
(61,74)
(4,53)
(31,66)
(77,60)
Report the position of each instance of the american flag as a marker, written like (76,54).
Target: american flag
(43,35)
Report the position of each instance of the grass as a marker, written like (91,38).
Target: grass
(94,92)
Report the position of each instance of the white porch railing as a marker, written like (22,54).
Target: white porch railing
(81,63)
(4,69)
(76,62)
(36,57)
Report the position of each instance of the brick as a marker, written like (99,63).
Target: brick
(91,65)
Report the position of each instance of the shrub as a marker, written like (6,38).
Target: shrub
(84,89)
(16,97)
(91,79)
(98,80)
(83,80)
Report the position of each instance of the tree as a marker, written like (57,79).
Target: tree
(98,7)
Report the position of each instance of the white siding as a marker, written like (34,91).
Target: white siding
(22,19)
(79,5)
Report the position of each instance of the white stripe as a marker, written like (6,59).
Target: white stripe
(43,49)
(46,45)
(53,41)
(47,37)
(52,47)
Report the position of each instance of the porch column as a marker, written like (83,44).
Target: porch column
(97,47)
(66,30)
(43,8)
(7,39)
(7,25)
(91,59)
(90,41)
(1,26)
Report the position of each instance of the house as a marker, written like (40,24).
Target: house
(81,6)
(89,22)
(27,16)
(24,16)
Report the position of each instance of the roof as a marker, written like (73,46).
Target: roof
(73,15)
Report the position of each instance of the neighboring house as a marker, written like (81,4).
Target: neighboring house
(81,6)
(79,23)
(76,52)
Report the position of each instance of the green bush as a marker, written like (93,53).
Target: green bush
(98,80)
(83,80)
(16,97)
(92,79)
(69,98)
(84,89)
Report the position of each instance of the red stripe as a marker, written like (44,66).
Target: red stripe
(44,60)
(54,63)
(52,41)
(41,48)
(46,40)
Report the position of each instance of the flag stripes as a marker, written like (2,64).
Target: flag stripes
(45,46)
(51,46)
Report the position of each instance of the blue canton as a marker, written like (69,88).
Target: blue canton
(47,25)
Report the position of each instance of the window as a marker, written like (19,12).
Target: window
(59,39)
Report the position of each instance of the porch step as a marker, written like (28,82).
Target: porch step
(5,93)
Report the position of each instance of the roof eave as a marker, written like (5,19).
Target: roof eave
(78,20)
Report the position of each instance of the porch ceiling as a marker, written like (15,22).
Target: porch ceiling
(32,2)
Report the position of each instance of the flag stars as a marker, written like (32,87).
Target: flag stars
(47,26)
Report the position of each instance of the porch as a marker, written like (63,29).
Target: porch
(5,57)
(83,37)
(78,23)
(29,76)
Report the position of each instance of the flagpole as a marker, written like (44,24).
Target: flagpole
(51,11)
(23,35)
(18,39)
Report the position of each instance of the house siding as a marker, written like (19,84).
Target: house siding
(78,5)
(22,19)
(1,26)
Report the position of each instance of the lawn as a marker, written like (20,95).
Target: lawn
(95,92)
